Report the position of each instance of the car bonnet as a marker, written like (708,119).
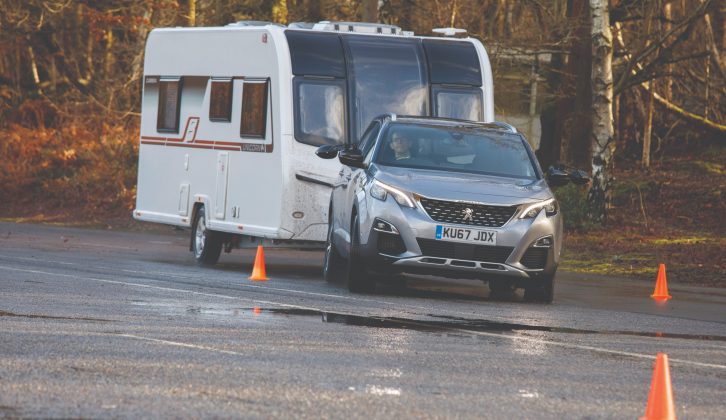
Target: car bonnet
(463,186)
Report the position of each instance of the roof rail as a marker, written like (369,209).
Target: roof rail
(360,27)
(506,126)
(246,23)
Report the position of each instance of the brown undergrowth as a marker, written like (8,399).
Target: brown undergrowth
(68,174)
(673,213)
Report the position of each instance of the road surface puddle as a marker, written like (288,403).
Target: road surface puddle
(461,325)
(434,323)
(38,316)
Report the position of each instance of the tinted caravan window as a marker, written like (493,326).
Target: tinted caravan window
(220,100)
(319,111)
(462,104)
(254,109)
(316,54)
(453,62)
(169,102)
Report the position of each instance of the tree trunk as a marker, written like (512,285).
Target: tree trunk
(192,18)
(573,126)
(279,11)
(603,145)
(648,130)
(668,17)
(370,11)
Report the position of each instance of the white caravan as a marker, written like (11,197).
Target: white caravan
(231,118)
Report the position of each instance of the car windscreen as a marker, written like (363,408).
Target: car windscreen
(457,149)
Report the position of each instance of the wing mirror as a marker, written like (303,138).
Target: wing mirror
(327,151)
(352,157)
(579,177)
(558,176)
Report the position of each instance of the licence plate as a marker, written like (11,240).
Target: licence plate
(477,236)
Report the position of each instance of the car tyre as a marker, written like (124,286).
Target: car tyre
(357,275)
(543,291)
(206,244)
(333,264)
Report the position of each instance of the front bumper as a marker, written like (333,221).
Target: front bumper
(515,256)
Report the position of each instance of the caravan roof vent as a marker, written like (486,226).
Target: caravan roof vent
(449,31)
(247,23)
(360,27)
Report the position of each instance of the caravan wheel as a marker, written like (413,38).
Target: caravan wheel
(206,244)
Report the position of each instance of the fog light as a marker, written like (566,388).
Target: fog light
(545,242)
(383,226)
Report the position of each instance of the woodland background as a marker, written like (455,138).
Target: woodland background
(630,90)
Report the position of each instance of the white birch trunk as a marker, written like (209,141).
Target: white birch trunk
(603,145)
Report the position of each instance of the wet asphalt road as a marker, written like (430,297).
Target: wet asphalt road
(122,324)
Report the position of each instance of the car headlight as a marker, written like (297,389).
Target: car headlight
(380,191)
(550,206)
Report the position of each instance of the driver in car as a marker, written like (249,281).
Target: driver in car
(401,146)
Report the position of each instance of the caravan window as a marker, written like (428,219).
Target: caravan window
(167,119)
(254,109)
(453,62)
(389,76)
(220,100)
(319,111)
(459,103)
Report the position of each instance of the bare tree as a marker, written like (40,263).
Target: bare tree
(603,146)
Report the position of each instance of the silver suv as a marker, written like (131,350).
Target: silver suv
(444,197)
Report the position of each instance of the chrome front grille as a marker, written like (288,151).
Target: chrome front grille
(466,213)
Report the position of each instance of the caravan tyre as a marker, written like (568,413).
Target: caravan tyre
(206,244)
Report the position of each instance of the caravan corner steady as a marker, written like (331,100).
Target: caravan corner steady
(232,116)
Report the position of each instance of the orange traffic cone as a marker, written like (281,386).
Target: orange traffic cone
(660,399)
(258,271)
(661,285)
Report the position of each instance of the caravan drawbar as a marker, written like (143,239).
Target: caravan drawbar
(232,116)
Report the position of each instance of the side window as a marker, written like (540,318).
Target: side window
(220,100)
(319,111)
(169,102)
(254,109)
(461,103)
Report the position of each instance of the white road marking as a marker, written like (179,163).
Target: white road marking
(180,344)
(528,394)
(104,245)
(380,390)
(413,323)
